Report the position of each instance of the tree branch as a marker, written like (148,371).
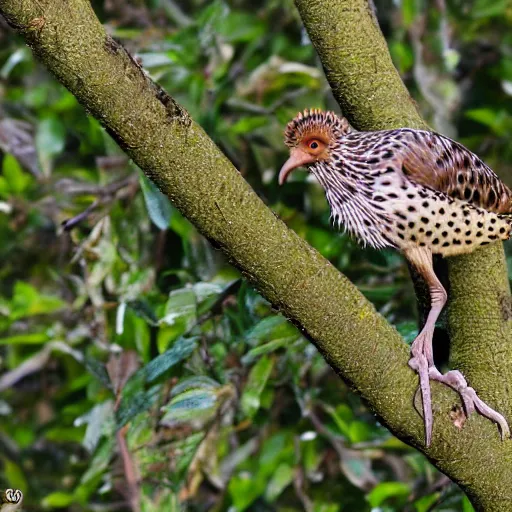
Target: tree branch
(176,153)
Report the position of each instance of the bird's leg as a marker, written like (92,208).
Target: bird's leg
(421,349)
(422,360)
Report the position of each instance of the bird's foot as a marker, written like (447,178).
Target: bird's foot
(455,380)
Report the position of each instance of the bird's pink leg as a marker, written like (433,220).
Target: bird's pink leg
(421,350)
(422,360)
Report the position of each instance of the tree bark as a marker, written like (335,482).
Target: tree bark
(176,153)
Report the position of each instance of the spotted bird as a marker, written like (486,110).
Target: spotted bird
(413,190)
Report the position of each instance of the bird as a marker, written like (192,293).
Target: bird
(417,191)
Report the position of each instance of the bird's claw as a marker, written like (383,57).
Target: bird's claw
(419,364)
(455,380)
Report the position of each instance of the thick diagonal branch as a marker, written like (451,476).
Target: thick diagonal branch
(176,153)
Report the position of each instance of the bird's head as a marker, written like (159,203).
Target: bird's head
(311,136)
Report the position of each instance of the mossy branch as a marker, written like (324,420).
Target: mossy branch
(176,153)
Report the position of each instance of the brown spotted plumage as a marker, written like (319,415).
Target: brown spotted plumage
(414,190)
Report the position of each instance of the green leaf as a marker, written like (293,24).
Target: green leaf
(34,338)
(282,477)
(13,474)
(20,55)
(426,503)
(143,310)
(249,124)
(135,400)
(258,377)
(50,140)
(58,500)
(359,432)
(158,205)
(96,420)
(322,506)
(410,10)
(271,346)
(179,316)
(199,381)
(27,301)
(194,405)
(97,369)
(386,490)
(494,119)
(489,8)
(16,180)
(240,27)
(244,489)
(181,349)
(466,505)
(97,466)
(272,328)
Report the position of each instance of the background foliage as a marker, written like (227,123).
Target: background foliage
(137,368)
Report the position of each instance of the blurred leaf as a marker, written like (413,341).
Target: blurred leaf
(95,420)
(409,11)
(320,506)
(14,475)
(425,503)
(27,301)
(272,327)
(249,124)
(199,381)
(466,505)
(357,467)
(271,346)
(142,309)
(488,9)
(386,490)
(135,399)
(243,490)
(180,314)
(34,338)
(192,406)
(17,138)
(408,330)
(258,377)
(359,432)
(496,120)
(181,349)
(97,466)
(282,477)
(50,140)
(158,205)
(20,55)
(58,500)
(14,179)
(97,369)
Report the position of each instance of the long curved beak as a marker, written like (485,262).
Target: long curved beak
(298,158)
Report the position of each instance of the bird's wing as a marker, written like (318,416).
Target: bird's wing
(440,163)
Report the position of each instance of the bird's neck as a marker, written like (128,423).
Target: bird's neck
(349,193)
